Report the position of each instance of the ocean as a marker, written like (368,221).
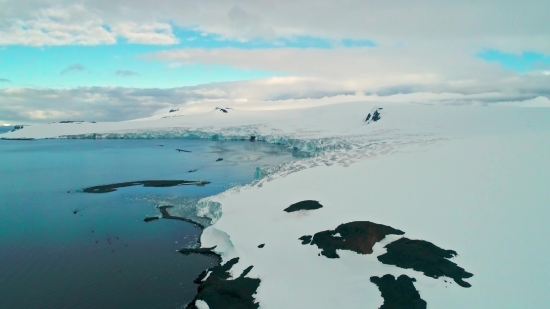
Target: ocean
(63,248)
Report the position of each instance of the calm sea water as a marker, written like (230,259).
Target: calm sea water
(105,256)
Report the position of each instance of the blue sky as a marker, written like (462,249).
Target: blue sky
(521,63)
(27,66)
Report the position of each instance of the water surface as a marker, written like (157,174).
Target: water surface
(105,256)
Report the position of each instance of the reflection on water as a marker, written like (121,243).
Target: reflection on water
(105,255)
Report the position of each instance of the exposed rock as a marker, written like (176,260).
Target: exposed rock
(261,246)
(150,219)
(358,236)
(304,205)
(219,291)
(424,257)
(17,127)
(17,139)
(166,215)
(145,183)
(400,293)
(203,251)
(305,239)
(374,115)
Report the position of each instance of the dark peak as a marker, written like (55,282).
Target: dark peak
(374,115)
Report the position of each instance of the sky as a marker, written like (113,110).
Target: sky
(118,60)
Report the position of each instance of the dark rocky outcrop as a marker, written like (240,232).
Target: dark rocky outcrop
(261,246)
(252,138)
(220,159)
(219,291)
(17,127)
(305,239)
(374,116)
(358,236)
(148,219)
(203,251)
(17,139)
(145,183)
(424,257)
(174,110)
(399,293)
(182,150)
(304,205)
(166,215)
(222,109)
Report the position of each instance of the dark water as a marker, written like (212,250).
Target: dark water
(105,256)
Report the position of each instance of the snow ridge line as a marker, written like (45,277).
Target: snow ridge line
(302,144)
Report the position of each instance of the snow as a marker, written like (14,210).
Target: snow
(485,197)
(467,178)
(201,304)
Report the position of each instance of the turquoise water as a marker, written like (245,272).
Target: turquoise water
(5,129)
(105,256)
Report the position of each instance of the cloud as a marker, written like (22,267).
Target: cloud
(71,25)
(148,33)
(77,25)
(72,68)
(4,80)
(509,25)
(126,73)
(381,66)
(28,105)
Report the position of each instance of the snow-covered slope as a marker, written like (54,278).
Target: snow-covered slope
(485,197)
(469,179)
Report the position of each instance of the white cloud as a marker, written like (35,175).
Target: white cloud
(56,26)
(148,33)
(508,25)
(77,25)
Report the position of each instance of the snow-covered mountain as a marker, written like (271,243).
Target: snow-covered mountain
(428,206)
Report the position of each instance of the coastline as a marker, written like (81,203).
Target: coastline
(441,175)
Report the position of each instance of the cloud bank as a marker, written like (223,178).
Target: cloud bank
(28,105)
